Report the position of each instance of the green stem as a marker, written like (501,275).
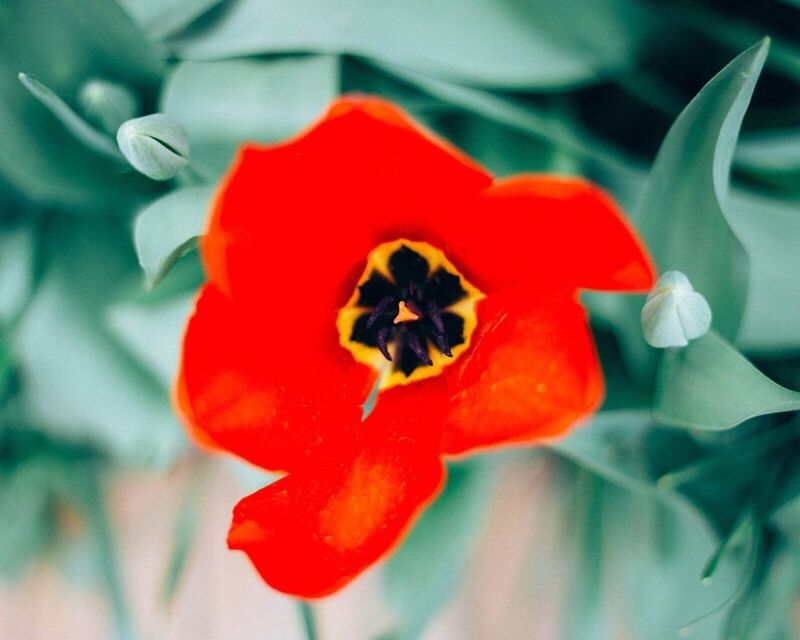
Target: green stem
(309,624)
(94,506)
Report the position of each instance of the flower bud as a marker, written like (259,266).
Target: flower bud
(154,145)
(108,104)
(674,312)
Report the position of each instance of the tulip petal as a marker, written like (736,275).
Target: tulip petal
(530,375)
(273,398)
(296,221)
(530,228)
(311,532)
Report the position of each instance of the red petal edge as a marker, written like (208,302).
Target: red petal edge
(311,533)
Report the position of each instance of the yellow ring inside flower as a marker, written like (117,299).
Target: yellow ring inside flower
(411,314)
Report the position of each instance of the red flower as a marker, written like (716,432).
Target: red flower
(369,251)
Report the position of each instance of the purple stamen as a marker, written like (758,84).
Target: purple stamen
(443,344)
(413,342)
(383,337)
(436,317)
(380,309)
(440,335)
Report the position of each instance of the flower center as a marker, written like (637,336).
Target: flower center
(411,314)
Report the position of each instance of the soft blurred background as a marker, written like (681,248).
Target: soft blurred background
(675,513)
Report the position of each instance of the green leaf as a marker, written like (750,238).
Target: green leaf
(622,552)
(776,152)
(152,333)
(425,571)
(505,43)
(683,214)
(743,533)
(16,272)
(520,115)
(769,229)
(78,383)
(501,149)
(767,610)
(64,43)
(108,104)
(168,228)
(612,446)
(785,516)
(162,18)
(75,124)
(629,449)
(709,385)
(264,101)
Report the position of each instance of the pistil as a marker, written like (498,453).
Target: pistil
(407,311)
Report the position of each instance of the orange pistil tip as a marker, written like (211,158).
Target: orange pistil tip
(404,314)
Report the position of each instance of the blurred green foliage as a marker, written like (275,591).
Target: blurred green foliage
(689,472)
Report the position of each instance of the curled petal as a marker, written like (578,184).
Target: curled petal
(533,228)
(310,533)
(531,374)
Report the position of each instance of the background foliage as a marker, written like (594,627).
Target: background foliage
(681,501)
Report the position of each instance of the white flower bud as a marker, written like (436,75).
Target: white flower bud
(674,312)
(154,145)
(108,104)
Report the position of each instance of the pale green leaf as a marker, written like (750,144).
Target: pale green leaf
(108,104)
(709,385)
(523,116)
(683,212)
(622,552)
(79,384)
(611,445)
(769,228)
(169,227)
(16,272)
(152,333)
(264,101)
(504,43)
(773,152)
(161,18)
(75,124)
(767,610)
(64,43)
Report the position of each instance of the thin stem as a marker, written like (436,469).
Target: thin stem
(95,507)
(309,624)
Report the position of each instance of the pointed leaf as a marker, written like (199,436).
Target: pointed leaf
(683,212)
(710,385)
(75,124)
(770,231)
(168,228)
